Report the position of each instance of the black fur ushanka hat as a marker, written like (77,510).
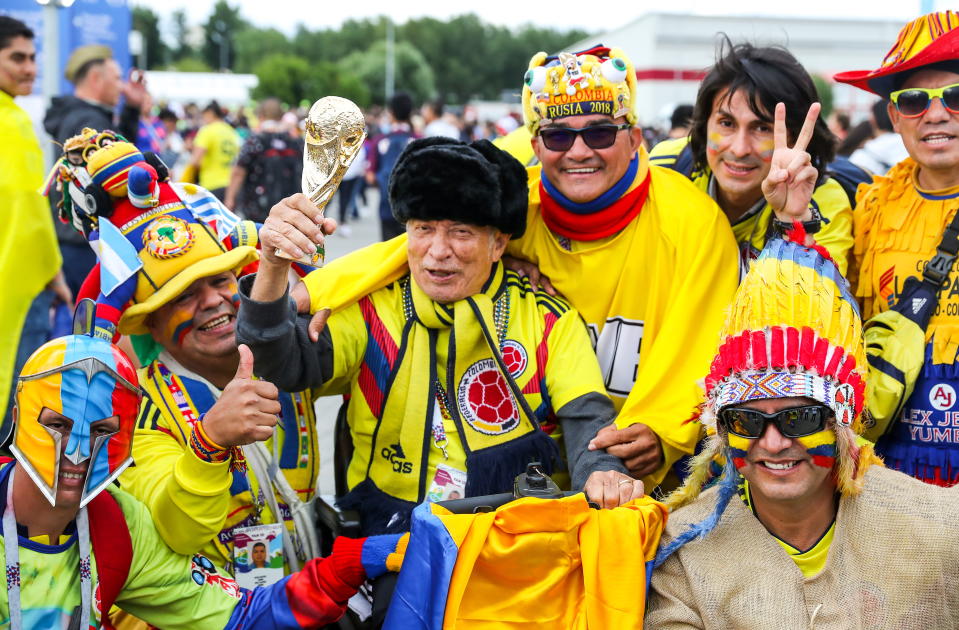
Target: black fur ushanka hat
(438,179)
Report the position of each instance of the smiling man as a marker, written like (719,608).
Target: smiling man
(75,544)
(908,288)
(646,259)
(459,375)
(209,434)
(730,147)
(800,527)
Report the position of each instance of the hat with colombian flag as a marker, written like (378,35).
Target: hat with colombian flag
(600,80)
(930,40)
(176,249)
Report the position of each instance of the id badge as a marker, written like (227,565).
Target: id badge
(448,483)
(258,555)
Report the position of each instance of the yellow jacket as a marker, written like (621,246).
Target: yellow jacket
(197,504)
(29,256)
(533,563)
(665,280)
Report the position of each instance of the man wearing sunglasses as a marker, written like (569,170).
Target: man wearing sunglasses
(646,259)
(730,150)
(910,292)
(801,526)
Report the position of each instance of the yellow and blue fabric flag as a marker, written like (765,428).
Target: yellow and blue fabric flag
(543,563)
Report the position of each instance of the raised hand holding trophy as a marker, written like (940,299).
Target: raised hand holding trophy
(335,131)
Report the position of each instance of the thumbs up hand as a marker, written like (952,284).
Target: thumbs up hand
(247,409)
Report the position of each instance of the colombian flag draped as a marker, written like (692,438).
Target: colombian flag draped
(29,256)
(533,563)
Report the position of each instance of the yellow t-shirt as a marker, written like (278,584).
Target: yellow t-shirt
(222,146)
(812,561)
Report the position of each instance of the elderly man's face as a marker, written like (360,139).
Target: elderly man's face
(782,470)
(451,260)
(581,173)
(932,138)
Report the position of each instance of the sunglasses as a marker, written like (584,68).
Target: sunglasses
(792,423)
(596,137)
(914,102)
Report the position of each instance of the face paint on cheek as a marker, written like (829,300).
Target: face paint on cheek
(713,140)
(738,446)
(234,295)
(180,323)
(821,447)
(766,148)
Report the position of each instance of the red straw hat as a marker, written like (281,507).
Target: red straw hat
(928,40)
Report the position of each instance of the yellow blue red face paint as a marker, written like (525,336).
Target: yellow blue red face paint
(178,325)
(765,149)
(820,446)
(713,140)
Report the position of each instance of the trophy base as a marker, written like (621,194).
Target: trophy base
(314,260)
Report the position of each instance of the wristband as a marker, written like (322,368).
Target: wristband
(811,226)
(205,448)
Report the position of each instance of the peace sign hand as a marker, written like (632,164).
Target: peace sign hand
(791,180)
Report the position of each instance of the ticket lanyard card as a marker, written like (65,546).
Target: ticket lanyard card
(258,555)
(448,483)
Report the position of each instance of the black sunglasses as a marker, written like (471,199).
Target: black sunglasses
(595,137)
(914,102)
(792,423)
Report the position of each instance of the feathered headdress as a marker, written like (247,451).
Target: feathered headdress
(793,330)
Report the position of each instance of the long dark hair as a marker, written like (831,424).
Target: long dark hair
(765,75)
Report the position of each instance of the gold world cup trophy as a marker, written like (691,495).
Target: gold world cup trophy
(335,131)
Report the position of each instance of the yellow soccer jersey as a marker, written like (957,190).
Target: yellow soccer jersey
(197,504)
(564,376)
(222,146)
(752,228)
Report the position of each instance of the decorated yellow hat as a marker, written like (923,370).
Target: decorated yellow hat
(929,40)
(595,81)
(177,249)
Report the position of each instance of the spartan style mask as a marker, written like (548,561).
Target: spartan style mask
(85,379)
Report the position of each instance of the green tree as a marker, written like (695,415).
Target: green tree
(148,24)
(253,45)
(292,79)
(220,34)
(191,63)
(412,73)
(181,35)
(824,88)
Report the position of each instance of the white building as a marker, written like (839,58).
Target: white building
(671,51)
(227,89)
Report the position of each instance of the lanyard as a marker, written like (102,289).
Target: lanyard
(11,543)
(259,501)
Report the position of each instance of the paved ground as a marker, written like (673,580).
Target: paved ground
(359,233)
